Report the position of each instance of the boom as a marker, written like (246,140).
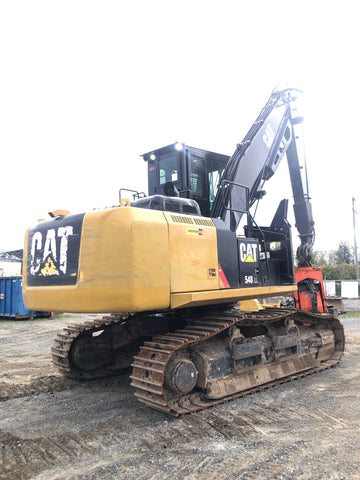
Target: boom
(256,159)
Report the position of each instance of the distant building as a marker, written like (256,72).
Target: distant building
(10,263)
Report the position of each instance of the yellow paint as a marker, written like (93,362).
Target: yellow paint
(250,305)
(267,304)
(196,299)
(59,213)
(123,266)
(193,256)
(194,231)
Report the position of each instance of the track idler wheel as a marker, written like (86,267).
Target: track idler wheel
(181,376)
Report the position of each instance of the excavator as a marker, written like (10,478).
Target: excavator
(165,276)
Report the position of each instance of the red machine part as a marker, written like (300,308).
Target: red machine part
(310,295)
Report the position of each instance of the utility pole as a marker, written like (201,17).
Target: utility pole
(355,247)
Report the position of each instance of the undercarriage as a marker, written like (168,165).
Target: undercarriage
(185,363)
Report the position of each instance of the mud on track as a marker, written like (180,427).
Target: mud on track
(54,428)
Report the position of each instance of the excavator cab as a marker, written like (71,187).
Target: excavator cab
(179,170)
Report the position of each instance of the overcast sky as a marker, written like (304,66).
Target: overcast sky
(88,86)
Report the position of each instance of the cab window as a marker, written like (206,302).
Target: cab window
(168,169)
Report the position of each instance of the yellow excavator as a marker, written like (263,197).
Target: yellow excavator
(168,272)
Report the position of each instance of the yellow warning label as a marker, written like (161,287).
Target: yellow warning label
(249,259)
(49,268)
(194,231)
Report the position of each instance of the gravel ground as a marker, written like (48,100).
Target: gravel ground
(54,428)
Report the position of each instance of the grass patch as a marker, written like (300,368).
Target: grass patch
(350,315)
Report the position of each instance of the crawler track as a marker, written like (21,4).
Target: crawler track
(66,339)
(150,360)
(150,364)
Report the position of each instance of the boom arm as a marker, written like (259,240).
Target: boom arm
(256,159)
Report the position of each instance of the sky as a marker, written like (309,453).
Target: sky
(86,87)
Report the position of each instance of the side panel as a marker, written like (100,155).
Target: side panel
(228,255)
(193,253)
(123,264)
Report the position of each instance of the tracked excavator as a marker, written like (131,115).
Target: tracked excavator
(167,273)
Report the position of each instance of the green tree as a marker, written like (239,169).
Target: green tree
(319,258)
(343,253)
(330,272)
(348,271)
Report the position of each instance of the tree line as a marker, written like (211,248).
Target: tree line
(337,264)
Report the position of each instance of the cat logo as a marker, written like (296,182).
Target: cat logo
(51,254)
(248,252)
(53,251)
(49,268)
(268,136)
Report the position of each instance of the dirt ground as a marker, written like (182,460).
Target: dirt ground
(54,428)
